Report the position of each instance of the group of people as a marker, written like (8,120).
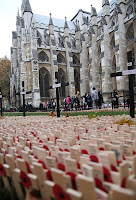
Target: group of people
(88,101)
(49,105)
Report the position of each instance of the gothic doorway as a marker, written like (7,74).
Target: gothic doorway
(77,80)
(44,80)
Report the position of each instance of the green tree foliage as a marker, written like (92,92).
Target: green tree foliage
(5,76)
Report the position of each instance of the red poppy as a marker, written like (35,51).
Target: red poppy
(86,130)
(123,157)
(32,132)
(59,193)
(99,185)
(48,139)
(49,175)
(66,150)
(46,147)
(43,164)
(28,167)
(30,145)
(94,158)
(118,162)
(113,168)
(2,171)
(25,180)
(19,156)
(40,141)
(60,149)
(28,140)
(134,153)
(61,166)
(107,175)
(50,153)
(83,151)
(13,139)
(101,148)
(123,183)
(78,138)
(56,139)
(73,179)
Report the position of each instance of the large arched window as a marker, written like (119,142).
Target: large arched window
(62,80)
(44,82)
(130,32)
(77,80)
(60,58)
(76,60)
(42,56)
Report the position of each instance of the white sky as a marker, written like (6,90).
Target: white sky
(58,9)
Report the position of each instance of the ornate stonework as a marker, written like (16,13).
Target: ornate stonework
(84,51)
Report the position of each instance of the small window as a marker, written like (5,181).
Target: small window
(60,58)
(42,56)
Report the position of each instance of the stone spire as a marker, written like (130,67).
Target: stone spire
(18,15)
(66,24)
(105,2)
(50,22)
(27,7)
(93,11)
(18,18)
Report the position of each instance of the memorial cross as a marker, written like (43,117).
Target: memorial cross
(57,86)
(130,72)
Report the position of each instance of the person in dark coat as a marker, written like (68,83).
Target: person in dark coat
(100,99)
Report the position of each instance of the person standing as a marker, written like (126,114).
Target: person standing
(100,99)
(95,98)
(89,101)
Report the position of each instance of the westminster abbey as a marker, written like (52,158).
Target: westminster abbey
(84,51)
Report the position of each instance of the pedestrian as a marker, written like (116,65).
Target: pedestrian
(100,99)
(89,101)
(95,98)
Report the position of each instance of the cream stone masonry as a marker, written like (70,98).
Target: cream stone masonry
(84,51)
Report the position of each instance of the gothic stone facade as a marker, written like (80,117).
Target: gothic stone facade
(84,51)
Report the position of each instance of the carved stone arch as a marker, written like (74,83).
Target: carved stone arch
(76,61)
(39,38)
(44,82)
(42,56)
(62,80)
(77,80)
(60,58)
(130,32)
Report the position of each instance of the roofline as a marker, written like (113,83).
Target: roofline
(80,10)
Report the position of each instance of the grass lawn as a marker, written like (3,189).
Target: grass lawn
(69,113)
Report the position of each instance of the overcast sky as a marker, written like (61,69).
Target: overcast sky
(58,9)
